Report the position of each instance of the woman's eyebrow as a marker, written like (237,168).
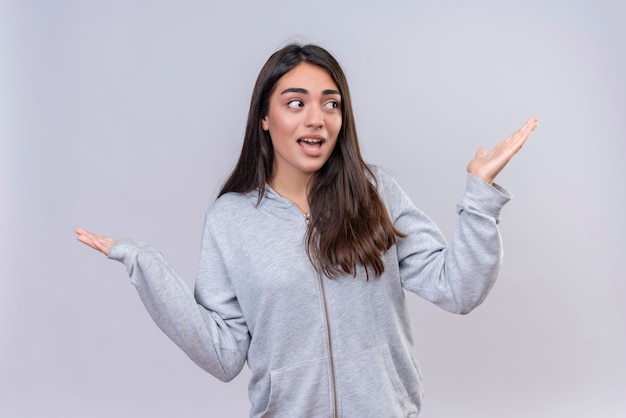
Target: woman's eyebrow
(305,91)
(330,91)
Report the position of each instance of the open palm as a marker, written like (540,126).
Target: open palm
(486,166)
(95,241)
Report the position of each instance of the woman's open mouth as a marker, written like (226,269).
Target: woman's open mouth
(311,146)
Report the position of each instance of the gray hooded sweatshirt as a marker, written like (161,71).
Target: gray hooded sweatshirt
(317,347)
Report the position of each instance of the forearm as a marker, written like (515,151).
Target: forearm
(204,337)
(456,277)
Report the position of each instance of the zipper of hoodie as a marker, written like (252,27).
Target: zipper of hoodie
(331,362)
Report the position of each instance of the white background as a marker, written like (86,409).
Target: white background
(125,117)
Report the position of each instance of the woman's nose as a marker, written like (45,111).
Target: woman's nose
(314,117)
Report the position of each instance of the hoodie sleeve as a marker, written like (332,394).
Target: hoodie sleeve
(456,277)
(210,329)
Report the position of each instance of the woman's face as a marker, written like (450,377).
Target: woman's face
(304,120)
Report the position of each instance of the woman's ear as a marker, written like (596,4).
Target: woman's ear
(264,124)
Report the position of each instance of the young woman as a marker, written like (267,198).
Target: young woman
(307,252)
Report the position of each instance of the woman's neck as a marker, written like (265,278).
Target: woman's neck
(292,189)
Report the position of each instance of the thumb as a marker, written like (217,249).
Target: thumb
(481,152)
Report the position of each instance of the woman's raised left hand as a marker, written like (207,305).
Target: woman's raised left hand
(486,166)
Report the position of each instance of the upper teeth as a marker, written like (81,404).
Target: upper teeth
(311,140)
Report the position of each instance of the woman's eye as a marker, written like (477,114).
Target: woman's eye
(296,103)
(332,105)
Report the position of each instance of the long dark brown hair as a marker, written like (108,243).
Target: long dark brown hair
(349,223)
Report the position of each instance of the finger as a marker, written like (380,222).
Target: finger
(518,139)
(82,234)
(528,127)
(85,236)
(104,249)
(81,231)
(95,241)
(526,130)
(481,152)
(530,122)
(87,240)
(92,236)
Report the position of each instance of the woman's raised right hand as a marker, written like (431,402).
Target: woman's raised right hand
(95,241)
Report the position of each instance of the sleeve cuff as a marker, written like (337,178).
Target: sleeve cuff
(124,249)
(483,198)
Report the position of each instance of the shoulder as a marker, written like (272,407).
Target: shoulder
(385,183)
(229,206)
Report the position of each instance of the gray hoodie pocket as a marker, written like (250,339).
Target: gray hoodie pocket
(301,390)
(368,385)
